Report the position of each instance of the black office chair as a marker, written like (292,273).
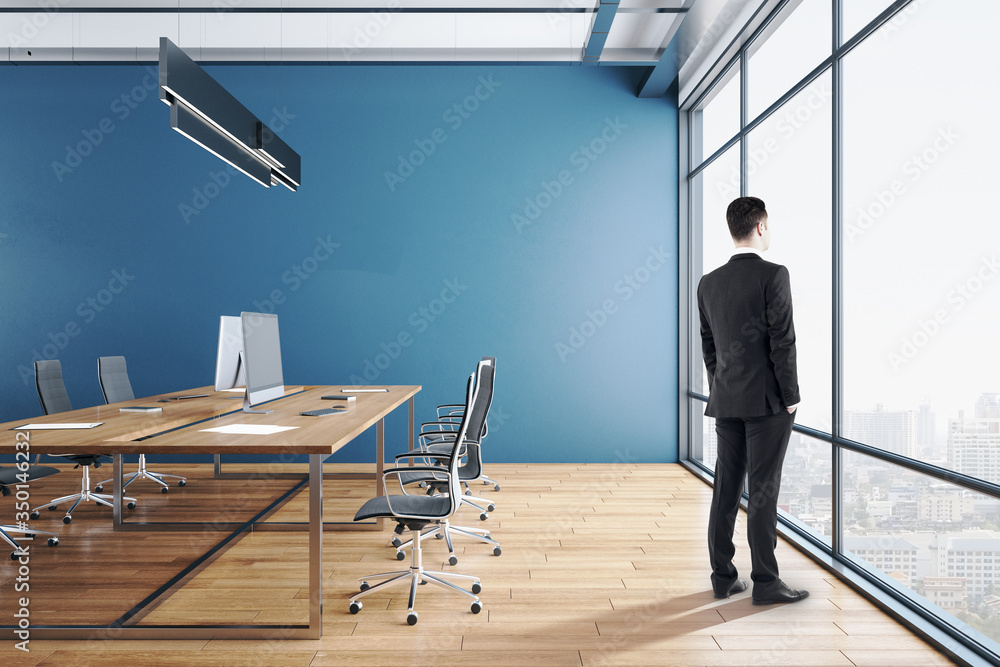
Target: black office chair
(449,414)
(53,397)
(416,512)
(13,476)
(113,375)
(471,470)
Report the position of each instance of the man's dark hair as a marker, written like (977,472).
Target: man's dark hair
(743,215)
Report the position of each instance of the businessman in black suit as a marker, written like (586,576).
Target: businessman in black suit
(748,342)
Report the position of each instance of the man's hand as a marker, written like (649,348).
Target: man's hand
(792,408)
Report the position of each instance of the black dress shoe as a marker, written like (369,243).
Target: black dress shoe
(725,591)
(779,593)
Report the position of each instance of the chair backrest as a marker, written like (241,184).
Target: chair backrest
(51,389)
(489,400)
(113,375)
(454,485)
(484,397)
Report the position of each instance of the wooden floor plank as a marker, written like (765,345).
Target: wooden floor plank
(601,565)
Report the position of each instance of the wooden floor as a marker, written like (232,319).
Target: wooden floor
(601,565)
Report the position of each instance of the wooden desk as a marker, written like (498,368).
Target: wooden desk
(180,429)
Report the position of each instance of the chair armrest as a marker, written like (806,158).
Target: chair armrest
(442,424)
(420,454)
(434,470)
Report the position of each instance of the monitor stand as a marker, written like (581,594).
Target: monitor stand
(246,406)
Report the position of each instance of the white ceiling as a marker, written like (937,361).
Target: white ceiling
(340,32)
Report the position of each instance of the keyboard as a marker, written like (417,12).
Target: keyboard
(322,412)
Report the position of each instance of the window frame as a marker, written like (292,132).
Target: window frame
(925,618)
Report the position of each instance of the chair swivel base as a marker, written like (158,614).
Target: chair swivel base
(143,473)
(27,531)
(85,495)
(417,575)
(444,530)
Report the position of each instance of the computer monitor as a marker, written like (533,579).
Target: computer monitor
(228,360)
(261,359)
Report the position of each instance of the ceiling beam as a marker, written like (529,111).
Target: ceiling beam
(599,29)
(688,29)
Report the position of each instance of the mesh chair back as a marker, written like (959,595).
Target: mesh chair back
(454,486)
(489,399)
(51,389)
(484,397)
(114,379)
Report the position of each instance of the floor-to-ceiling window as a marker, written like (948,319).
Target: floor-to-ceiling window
(869,129)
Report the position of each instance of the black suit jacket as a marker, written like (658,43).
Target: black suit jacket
(747,338)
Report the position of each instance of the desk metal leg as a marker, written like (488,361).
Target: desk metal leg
(412,434)
(116,484)
(315,546)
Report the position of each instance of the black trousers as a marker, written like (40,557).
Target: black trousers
(753,448)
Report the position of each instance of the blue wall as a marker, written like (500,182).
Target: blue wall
(526,213)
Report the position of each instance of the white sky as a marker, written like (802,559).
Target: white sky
(921,140)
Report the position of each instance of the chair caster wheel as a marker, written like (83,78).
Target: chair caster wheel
(396,542)
(477,607)
(182,482)
(164,489)
(355,607)
(484,516)
(497,551)
(34,515)
(468,492)
(67,518)
(53,541)
(439,536)
(452,560)
(131,505)
(15,555)
(99,488)
(52,508)
(496,487)
(411,618)
(400,555)
(477,588)
(491,507)
(365,585)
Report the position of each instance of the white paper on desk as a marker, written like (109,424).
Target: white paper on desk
(249,429)
(240,390)
(56,427)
